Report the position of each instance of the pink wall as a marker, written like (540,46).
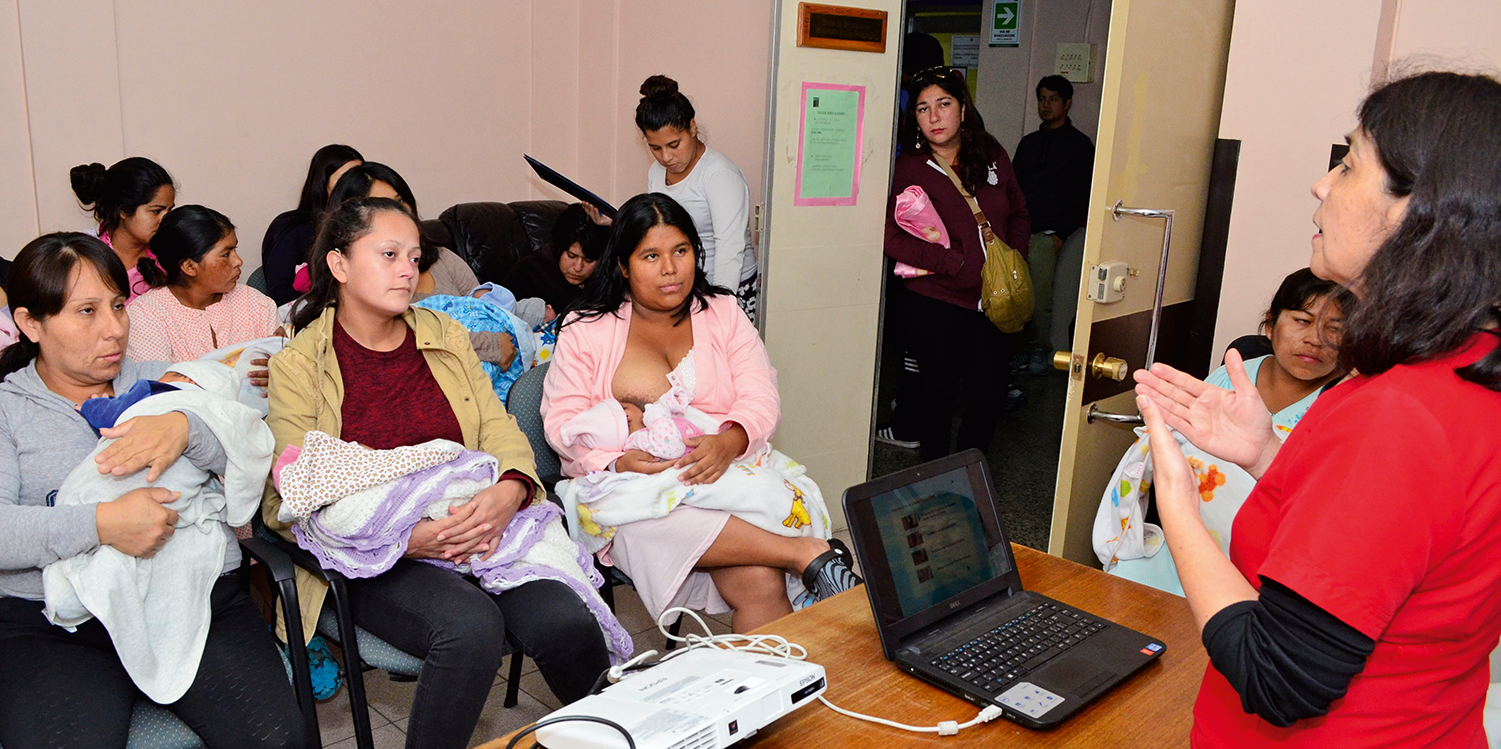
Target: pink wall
(1297,72)
(234,98)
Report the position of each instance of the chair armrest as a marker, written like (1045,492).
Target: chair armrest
(277,562)
(304,559)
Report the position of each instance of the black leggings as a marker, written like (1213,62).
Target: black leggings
(955,348)
(68,689)
(459,632)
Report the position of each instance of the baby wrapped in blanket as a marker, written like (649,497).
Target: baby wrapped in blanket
(157,610)
(354,508)
(768,489)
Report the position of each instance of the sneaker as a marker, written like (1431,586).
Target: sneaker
(887,437)
(323,669)
(1019,363)
(831,572)
(1041,363)
(1015,398)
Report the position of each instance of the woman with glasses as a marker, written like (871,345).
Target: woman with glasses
(954,344)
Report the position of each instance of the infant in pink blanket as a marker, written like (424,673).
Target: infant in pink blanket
(659,429)
(663,437)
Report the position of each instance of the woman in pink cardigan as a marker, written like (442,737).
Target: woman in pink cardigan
(648,306)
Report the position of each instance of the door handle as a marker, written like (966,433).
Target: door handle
(1167,241)
(1094,413)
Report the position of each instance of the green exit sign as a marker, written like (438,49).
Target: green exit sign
(1005,23)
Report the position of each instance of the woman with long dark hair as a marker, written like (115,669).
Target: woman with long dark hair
(441,272)
(366,366)
(1362,595)
(290,234)
(705,183)
(956,347)
(558,273)
(651,319)
(65,689)
(203,306)
(129,200)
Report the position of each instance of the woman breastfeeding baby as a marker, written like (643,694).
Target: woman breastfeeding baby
(367,367)
(730,524)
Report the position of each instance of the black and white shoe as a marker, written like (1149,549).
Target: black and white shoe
(886,436)
(831,572)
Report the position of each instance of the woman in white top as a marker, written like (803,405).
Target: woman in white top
(703,181)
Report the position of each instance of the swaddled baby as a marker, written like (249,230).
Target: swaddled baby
(660,429)
(102,412)
(157,609)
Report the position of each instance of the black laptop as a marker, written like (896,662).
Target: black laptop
(950,606)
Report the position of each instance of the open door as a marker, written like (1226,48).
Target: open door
(1164,79)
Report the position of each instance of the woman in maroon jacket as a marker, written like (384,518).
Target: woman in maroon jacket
(952,340)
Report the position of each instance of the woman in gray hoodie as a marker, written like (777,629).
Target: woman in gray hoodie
(68,689)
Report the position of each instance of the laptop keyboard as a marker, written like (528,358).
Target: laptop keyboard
(996,659)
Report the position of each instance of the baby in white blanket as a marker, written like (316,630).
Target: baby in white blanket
(157,610)
(766,489)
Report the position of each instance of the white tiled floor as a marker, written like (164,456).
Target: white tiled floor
(391,701)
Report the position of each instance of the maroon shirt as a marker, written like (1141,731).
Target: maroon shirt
(955,271)
(391,398)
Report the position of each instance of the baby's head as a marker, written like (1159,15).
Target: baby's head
(633,416)
(176,377)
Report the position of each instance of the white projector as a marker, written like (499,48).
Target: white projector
(705,698)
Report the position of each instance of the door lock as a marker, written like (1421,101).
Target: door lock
(1108,366)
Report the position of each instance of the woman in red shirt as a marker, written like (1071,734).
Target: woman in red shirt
(1362,595)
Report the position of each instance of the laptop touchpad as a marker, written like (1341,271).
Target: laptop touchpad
(1072,674)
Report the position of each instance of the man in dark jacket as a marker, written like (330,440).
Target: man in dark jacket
(1054,166)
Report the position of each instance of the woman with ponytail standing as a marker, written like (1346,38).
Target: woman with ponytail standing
(703,181)
(129,199)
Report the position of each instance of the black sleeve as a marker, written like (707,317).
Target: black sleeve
(280,258)
(1287,658)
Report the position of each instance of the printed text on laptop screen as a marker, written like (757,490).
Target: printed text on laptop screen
(934,540)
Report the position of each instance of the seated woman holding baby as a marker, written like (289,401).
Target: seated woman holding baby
(652,332)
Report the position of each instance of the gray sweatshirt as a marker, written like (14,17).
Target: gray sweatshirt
(42,439)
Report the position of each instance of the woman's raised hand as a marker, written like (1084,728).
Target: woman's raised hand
(1172,477)
(595,215)
(640,461)
(711,455)
(155,441)
(137,523)
(1231,424)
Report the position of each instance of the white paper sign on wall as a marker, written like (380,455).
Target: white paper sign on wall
(1075,62)
(965,51)
(1005,23)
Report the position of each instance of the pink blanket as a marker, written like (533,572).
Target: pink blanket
(915,213)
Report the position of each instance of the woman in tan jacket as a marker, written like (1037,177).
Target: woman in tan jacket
(367,367)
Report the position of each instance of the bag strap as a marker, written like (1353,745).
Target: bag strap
(974,205)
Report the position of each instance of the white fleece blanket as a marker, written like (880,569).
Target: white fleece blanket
(768,490)
(157,610)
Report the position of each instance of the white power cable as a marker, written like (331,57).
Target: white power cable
(780,647)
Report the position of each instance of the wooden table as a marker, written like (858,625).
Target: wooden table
(1153,709)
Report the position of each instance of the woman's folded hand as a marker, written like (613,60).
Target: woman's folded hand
(138,523)
(155,441)
(711,455)
(640,461)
